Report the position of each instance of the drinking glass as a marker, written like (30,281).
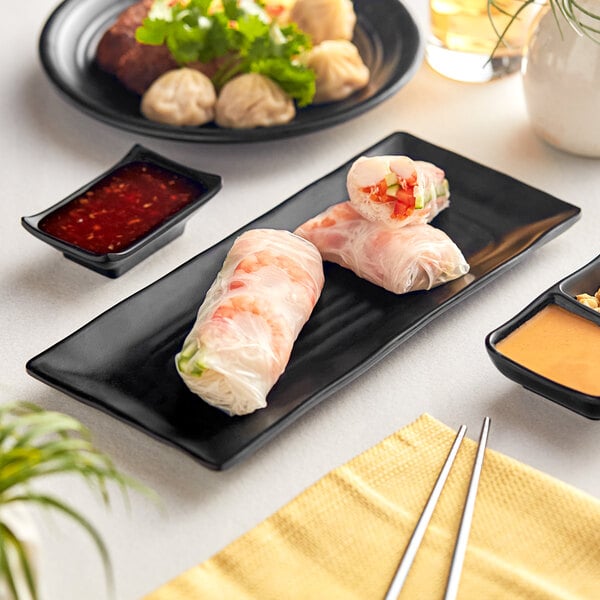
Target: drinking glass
(464,34)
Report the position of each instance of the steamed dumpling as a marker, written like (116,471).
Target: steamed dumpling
(325,19)
(180,97)
(339,70)
(279,11)
(253,100)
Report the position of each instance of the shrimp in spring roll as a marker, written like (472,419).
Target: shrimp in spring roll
(397,189)
(251,316)
(402,260)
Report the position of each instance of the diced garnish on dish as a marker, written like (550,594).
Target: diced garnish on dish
(397,189)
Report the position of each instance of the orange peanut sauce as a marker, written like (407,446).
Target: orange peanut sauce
(559,345)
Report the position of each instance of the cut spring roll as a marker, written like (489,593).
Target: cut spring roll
(397,189)
(251,316)
(402,260)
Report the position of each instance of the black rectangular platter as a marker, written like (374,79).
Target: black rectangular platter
(122,361)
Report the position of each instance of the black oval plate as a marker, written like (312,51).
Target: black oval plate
(386,35)
(122,362)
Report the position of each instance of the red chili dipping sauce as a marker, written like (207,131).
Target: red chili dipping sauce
(121,208)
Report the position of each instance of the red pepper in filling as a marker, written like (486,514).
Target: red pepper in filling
(404,198)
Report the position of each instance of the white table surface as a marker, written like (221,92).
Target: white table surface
(50,148)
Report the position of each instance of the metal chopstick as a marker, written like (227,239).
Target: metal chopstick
(465,523)
(421,526)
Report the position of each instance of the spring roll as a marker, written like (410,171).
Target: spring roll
(251,316)
(402,260)
(397,189)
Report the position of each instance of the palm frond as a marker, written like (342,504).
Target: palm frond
(501,34)
(5,567)
(50,502)
(9,540)
(585,25)
(572,12)
(36,443)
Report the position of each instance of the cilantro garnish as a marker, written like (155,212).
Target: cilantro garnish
(240,35)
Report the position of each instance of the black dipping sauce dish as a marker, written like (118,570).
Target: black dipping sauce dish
(125,214)
(562,294)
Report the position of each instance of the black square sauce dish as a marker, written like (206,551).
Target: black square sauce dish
(126,213)
(551,347)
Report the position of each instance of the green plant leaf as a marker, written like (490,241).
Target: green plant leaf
(8,539)
(51,502)
(36,443)
(5,568)
(571,11)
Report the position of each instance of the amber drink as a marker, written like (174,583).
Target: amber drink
(463,37)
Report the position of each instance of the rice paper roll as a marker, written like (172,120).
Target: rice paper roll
(252,314)
(397,189)
(402,260)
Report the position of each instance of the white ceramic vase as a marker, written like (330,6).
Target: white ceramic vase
(561,82)
(18,519)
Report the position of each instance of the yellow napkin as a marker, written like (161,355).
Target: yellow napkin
(342,538)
